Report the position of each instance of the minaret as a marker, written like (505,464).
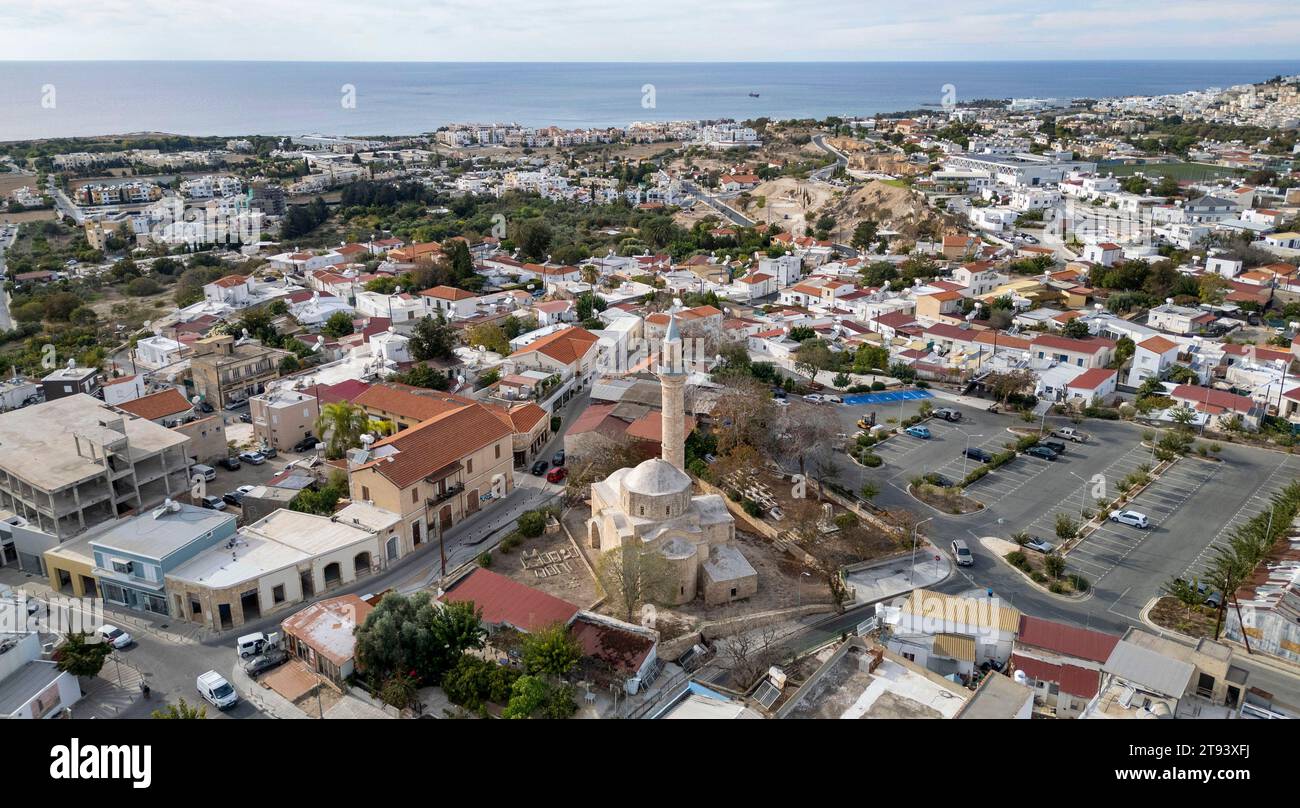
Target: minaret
(672,385)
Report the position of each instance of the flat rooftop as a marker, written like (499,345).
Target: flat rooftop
(37,443)
(156,536)
(843,688)
(283,539)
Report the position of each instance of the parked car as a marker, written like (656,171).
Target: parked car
(938,479)
(947,414)
(229,463)
(1041,451)
(306,444)
(264,662)
(778,392)
(781,402)
(232,498)
(1054,445)
(558,458)
(1138,520)
(206,407)
(214,688)
(267,451)
(213,503)
(1041,545)
(114,636)
(252,458)
(976,453)
(539,468)
(962,553)
(1071,434)
(918,431)
(237,405)
(814,398)
(557,474)
(245,418)
(207,473)
(834,400)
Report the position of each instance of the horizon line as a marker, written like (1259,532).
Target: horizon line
(1295,59)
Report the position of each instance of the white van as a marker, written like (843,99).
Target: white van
(208,473)
(214,687)
(254,644)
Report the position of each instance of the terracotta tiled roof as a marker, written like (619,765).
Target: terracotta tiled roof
(230,280)
(448,293)
(437,443)
(157,405)
(1208,399)
(1084,346)
(1092,378)
(508,602)
(1158,345)
(567,346)
(405,402)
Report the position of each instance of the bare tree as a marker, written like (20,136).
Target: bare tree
(748,654)
(634,575)
(596,463)
(743,415)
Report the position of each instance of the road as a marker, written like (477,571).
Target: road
(6,322)
(171,654)
(1192,506)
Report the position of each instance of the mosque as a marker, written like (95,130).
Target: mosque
(652,504)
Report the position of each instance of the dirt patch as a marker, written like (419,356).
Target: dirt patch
(550,563)
(787,201)
(893,207)
(1198,621)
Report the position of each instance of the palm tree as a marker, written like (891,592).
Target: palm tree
(341,425)
(1183,415)
(590,274)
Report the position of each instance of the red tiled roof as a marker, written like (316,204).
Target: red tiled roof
(1092,378)
(1208,399)
(437,443)
(1066,640)
(1076,681)
(1084,346)
(565,346)
(448,293)
(1158,345)
(507,602)
(157,405)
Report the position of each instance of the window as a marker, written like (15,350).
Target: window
(277,594)
(415,494)
(498,448)
(733,591)
(124,567)
(365,493)
(469,466)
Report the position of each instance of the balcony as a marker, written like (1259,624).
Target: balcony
(451,492)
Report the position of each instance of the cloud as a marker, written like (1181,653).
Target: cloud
(636,30)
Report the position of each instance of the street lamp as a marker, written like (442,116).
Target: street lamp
(798,588)
(964,454)
(1082,489)
(912,573)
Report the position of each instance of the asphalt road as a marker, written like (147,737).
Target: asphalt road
(1194,505)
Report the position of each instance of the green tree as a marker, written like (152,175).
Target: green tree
(553,651)
(531,523)
(81,658)
(864,235)
(181,710)
(533,238)
(414,634)
(423,376)
(338,325)
(433,338)
(1075,329)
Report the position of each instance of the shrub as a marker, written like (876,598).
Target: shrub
(1079,583)
(1057,587)
(532,523)
(1017,559)
(876,387)
(485,559)
(1038,577)
(1027,442)
(1066,527)
(1054,565)
(752,508)
(871,460)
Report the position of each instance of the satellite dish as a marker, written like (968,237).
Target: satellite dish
(72,363)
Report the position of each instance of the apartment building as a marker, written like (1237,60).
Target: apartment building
(73,463)
(226,370)
(281,418)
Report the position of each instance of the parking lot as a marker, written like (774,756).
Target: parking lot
(1193,507)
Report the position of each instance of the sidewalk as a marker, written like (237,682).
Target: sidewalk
(263,698)
(895,576)
(114,693)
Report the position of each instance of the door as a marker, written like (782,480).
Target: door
(472,500)
(444,517)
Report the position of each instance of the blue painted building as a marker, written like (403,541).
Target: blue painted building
(133,557)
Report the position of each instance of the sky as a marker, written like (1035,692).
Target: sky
(638,30)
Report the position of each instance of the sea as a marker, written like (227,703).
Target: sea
(81,98)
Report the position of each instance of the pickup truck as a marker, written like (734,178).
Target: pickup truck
(1070,434)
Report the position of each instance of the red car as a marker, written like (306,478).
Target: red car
(557,474)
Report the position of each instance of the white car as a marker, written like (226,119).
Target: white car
(781,402)
(114,636)
(834,400)
(814,398)
(1138,520)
